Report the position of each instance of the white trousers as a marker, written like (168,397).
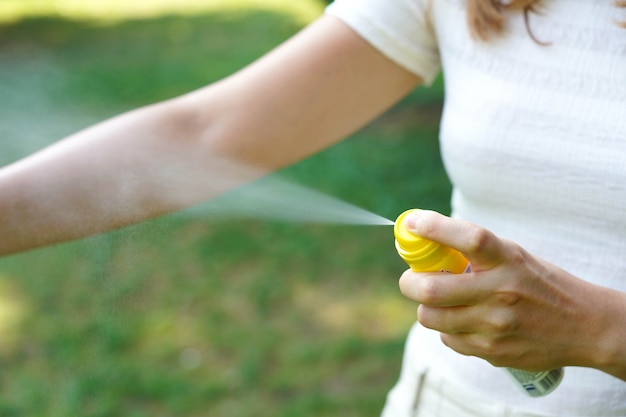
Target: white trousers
(433,396)
(422,392)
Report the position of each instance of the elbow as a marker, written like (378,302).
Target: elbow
(179,122)
(202,149)
(195,121)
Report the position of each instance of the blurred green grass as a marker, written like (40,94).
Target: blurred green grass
(190,316)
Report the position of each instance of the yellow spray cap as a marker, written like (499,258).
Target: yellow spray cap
(424,255)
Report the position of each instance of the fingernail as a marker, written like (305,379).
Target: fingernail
(413,220)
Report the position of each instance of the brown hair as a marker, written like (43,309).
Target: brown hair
(487,16)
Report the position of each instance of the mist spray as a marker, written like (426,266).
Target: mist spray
(424,255)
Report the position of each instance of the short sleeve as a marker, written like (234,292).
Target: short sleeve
(400,29)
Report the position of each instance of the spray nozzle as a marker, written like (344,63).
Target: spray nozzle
(425,255)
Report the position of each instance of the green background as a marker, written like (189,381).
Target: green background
(190,315)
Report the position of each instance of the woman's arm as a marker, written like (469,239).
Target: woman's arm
(307,94)
(513,309)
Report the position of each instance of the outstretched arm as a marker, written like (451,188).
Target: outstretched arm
(307,94)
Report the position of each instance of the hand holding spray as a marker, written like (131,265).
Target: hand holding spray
(424,255)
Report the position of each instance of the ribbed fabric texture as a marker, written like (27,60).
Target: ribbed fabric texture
(533,138)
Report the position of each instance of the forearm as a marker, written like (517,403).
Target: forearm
(127,169)
(302,97)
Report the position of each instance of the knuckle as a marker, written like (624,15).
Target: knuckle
(501,326)
(488,348)
(503,357)
(517,256)
(419,287)
(478,240)
(492,350)
(428,291)
(508,298)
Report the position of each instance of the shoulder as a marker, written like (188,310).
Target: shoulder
(400,29)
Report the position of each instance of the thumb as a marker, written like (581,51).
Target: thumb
(480,246)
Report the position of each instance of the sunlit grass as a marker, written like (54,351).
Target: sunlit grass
(13,310)
(370,315)
(115,10)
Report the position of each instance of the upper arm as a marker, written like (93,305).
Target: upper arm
(310,92)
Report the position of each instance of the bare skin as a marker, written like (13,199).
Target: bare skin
(513,309)
(309,93)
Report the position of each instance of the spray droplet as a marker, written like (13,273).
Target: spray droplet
(274,197)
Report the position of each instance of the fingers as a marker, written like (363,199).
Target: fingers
(497,351)
(495,324)
(483,249)
(442,289)
(479,313)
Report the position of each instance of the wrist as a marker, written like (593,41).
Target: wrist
(610,356)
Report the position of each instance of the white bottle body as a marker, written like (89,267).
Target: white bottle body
(537,384)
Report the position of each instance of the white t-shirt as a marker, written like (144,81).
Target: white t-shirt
(534,140)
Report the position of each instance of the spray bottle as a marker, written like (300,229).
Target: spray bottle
(424,255)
